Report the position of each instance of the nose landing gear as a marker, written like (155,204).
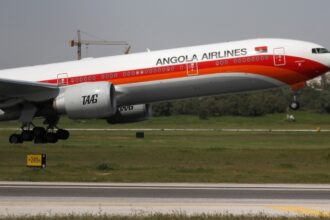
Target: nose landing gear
(294,104)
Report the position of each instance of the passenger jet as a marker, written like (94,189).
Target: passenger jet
(120,89)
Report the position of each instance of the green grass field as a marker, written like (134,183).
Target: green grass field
(305,120)
(178,156)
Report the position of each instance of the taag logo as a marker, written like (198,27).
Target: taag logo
(89,99)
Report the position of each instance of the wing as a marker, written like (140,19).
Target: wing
(12,91)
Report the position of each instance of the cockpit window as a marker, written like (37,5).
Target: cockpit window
(320,50)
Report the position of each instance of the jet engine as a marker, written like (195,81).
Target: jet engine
(86,100)
(12,113)
(130,113)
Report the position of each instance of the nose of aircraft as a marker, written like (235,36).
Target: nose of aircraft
(324,59)
(327,60)
(324,65)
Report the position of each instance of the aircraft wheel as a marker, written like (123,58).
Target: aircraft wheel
(27,135)
(39,131)
(40,139)
(15,139)
(51,138)
(294,105)
(62,134)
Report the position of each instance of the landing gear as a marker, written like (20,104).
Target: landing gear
(39,131)
(62,134)
(51,137)
(15,139)
(294,104)
(40,135)
(27,135)
(40,140)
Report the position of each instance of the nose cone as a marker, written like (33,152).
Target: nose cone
(327,60)
(321,65)
(324,59)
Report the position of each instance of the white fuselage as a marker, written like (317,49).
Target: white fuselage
(189,72)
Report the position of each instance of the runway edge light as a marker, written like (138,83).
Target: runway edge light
(36,160)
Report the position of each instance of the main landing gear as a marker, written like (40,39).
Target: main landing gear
(39,135)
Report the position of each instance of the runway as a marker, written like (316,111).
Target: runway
(21,198)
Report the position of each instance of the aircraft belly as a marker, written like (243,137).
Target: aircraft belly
(193,86)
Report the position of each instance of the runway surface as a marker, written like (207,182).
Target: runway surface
(21,198)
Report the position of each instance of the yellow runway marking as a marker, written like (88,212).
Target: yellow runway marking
(302,210)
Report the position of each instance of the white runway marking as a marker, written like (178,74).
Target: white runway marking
(21,198)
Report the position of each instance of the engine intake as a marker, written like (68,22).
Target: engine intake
(86,100)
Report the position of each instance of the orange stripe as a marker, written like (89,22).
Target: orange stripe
(146,78)
(290,74)
(287,76)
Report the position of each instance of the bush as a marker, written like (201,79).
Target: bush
(105,166)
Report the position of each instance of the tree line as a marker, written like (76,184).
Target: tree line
(314,97)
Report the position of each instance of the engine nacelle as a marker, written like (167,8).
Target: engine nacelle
(12,113)
(130,113)
(86,100)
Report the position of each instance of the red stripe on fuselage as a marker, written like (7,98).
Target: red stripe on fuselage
(295,70)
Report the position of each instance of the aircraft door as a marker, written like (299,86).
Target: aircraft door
(192,69)
(62,79)
(279,56)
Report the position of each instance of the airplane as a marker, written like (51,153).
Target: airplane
(120,88)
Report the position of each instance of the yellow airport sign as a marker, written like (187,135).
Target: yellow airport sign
(36,160)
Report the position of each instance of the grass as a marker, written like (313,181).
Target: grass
(242,157)
(165,217)
(305,120)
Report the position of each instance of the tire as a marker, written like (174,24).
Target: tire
(15,139)
(62,134)
(294,105)
(27,135)
(40,139)
(51,138)
(39,131)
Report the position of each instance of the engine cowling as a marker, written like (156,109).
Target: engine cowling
(12,113)
(130,113)
(86,100)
